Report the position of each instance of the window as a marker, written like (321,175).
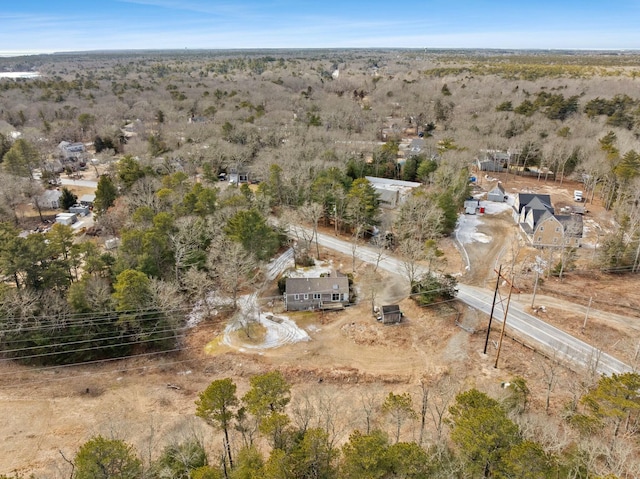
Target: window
(316,295)
(296,296)
(306,296)
(557,229)
(555,240)
(335,296)
(542,228)
(539,239)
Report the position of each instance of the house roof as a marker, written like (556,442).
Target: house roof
(572,225)
(526,228)
(391,183)
(539,202)
(71,147)
(539,214)
(497,189)
(88,198)
(525,200)
(317,285)
(390,308)
(387,196)
(416,146)
(50,195)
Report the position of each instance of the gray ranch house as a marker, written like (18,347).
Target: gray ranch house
(303,294)
(49,199)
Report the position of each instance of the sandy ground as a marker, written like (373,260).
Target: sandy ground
(346,356)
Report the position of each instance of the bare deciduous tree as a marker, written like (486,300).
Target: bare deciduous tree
(443,392)
(231,266)
(313,212)
(411,252)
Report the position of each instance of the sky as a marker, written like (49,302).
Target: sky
(45,26)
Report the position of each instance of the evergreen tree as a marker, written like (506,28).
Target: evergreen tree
(106,194)
(101,458)
(21,159)
(68,199)
(482,431)
(216,405)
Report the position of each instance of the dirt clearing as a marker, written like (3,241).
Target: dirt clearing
(149,401)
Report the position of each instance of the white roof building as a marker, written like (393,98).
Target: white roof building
(392,192)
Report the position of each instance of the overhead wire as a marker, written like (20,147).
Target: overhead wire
(174,333)
(92,340)
(79,365)
(41,369)
(144,315)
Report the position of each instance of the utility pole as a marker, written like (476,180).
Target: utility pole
(539,269)
(535,287)
(493,305)
(586,316)
(504,324)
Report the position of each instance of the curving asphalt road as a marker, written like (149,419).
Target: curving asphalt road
(532,330)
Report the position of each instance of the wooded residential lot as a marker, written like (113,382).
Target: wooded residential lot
(145,334)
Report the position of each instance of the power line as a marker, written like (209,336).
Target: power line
(61,324)
(93,348)
(92,340)
(95,362)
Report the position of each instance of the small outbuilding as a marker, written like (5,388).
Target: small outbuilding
(471,206)
(79,210)
(87,200)
(66,218)
(497,194)
(237,177)
(390,314)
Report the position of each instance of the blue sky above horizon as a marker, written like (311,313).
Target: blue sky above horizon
(74,25)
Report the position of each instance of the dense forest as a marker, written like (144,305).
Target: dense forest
(164,132)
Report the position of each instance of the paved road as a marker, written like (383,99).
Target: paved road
(84,183)
(530,329)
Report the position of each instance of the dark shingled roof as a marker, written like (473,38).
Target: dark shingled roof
(572,225)
(524,199)
(317,285)
(390,308)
